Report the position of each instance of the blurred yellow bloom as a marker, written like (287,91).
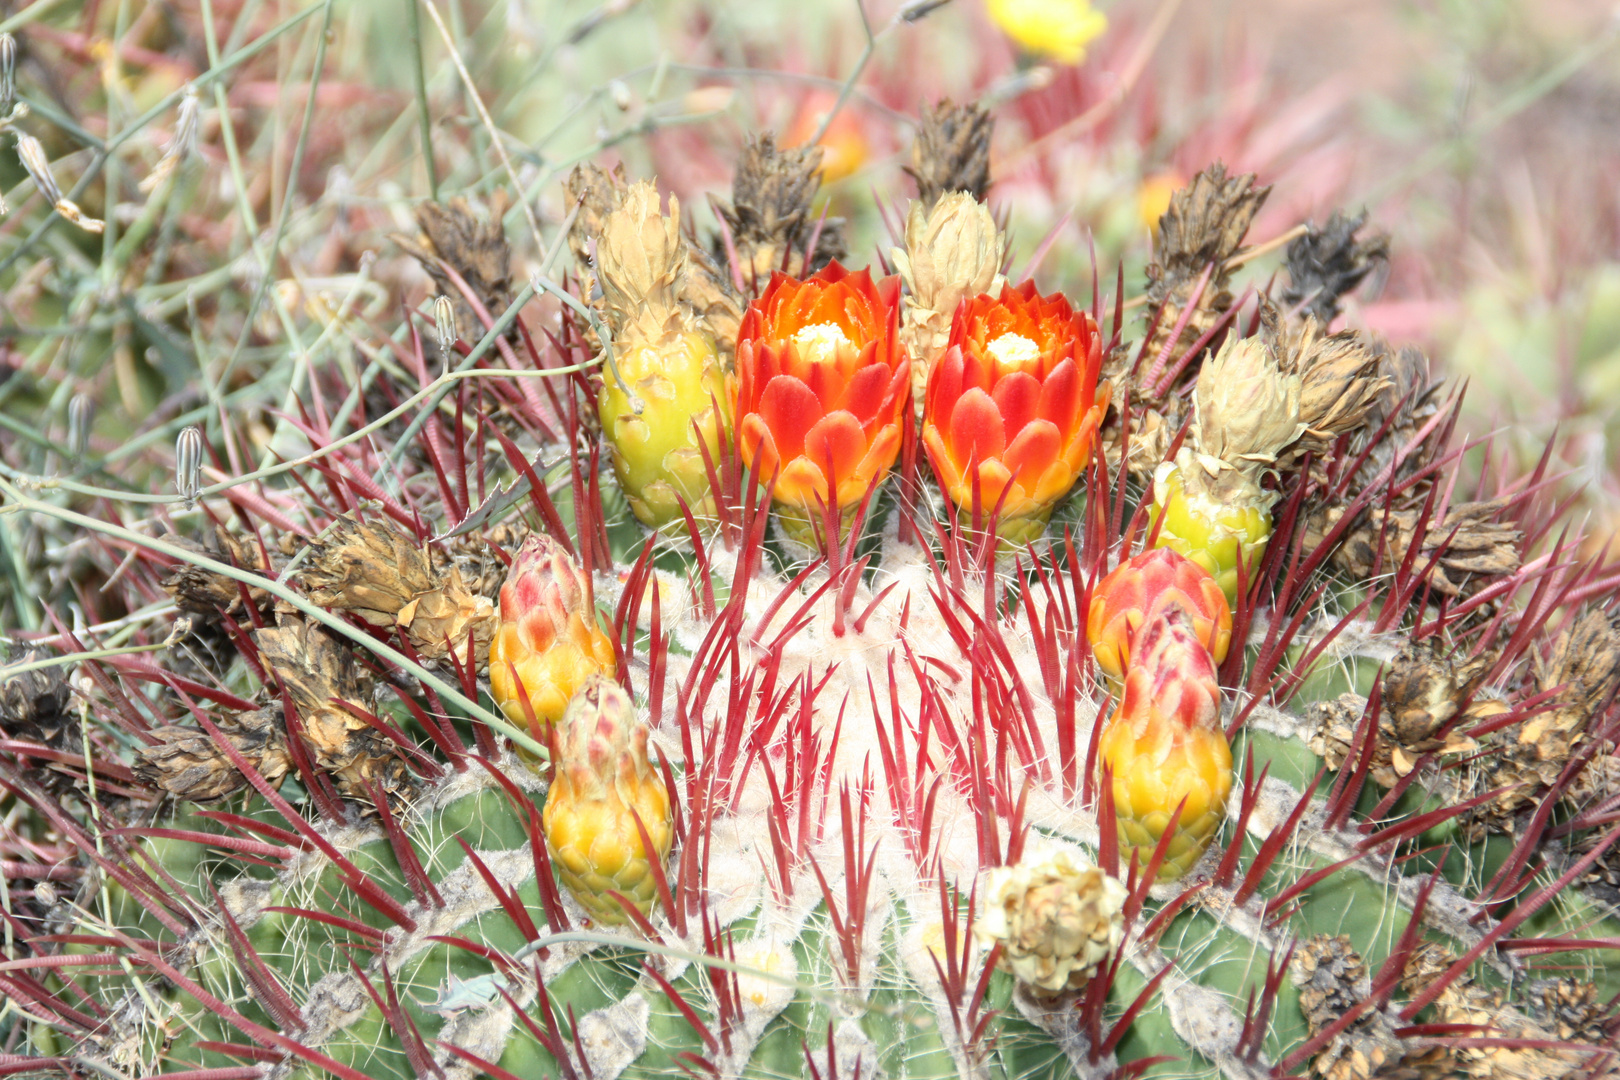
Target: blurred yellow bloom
(1056,30)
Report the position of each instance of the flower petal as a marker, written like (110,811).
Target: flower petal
(1060,396)
(1017,396)
(789,409)
(836,440)
(1033,451)
(976,432)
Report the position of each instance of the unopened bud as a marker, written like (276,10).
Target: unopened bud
(188,448)
(444,326)
(8,72)
(81,410)
(39,170)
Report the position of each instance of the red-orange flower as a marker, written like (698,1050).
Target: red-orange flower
(821,386)
(1015,399)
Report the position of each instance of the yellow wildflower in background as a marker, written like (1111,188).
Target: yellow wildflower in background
(1056,30)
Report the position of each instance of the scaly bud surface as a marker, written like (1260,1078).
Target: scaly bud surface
(548,642)
(1139,590)
(603,784)
(1165,744)
(953,251)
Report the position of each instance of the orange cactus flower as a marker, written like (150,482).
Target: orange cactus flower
(1139,590)
(1015,399)
(822,384)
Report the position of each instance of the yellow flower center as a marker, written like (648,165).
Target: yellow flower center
(819,342)
(1014,352)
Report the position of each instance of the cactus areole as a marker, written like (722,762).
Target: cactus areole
(1149,783)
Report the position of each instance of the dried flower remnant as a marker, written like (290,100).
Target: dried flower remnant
(604,787)
(36,707)
(1056,30)
(952,153)
(1328,262)
(822,386)
(1058,920)
(1136,591)
(664,407)
(39,170)
(456,241)
(771,217)
(319,676)
(704,287)
(953,252)
(1332,979)
(548,642)
(1209,503)
(200,591)
(189,764)
(388,580)
(180,146)
(1013,406)
(1165,748)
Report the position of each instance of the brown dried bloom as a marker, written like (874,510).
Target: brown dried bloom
(1330,261)
(387,579)
(1474,546)
(1332,979)
(369,568)
(953,251)
(1206,223)
(1340,382)
(704,287)
(34,706)
(770,218)
(319,675)
(1423,690)
(190,765)
(202,592)
(1057,919)
(952,152)
(640,261)
(455,237)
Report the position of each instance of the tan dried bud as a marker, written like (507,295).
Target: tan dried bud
(1248,407)
(1206,223)
(1058,919)
(640,260)
(1341,381)
(1423,690)
(189,764)
(1332,979)
(320,677)
(952,251)
(451,616)
(369,568)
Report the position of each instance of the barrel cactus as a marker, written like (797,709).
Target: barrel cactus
(839,799)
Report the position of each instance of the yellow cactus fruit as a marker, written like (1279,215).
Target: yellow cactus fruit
(603,784)
(665,397)
(1208,504)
